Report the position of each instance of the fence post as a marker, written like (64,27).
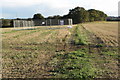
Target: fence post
(50,22)
(14,23)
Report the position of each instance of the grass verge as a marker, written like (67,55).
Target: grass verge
(78,38)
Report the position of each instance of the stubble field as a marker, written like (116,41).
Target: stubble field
(85,51)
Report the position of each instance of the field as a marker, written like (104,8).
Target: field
(108,32)
(85,51)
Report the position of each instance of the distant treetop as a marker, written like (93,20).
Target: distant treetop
(79,15)
(38,16)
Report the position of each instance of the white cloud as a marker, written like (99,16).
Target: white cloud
(49,7)
(23,3)
(19,3)
(0,12)
(101,4)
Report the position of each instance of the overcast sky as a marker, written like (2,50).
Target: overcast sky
(26,8)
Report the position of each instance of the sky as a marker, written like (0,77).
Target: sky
(27,8)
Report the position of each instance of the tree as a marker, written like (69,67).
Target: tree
(65,16)
(57,17)
(6,22)
(78,14)
(18,18)
(54,17)
(38,16)
(96,15)
(29,19)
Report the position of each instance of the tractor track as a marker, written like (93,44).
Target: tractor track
(97,46)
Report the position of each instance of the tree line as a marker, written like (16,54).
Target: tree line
(79,15)
(6,23)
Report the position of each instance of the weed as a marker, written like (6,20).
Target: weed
(75,65)
(79,39)
(110,53)
(99,45)
(9,32)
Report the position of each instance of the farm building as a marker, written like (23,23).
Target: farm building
(45,22)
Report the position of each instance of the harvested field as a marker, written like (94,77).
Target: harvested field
(26,52)
(107,31)
(85,51)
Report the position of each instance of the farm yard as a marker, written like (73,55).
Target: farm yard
(88,50)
